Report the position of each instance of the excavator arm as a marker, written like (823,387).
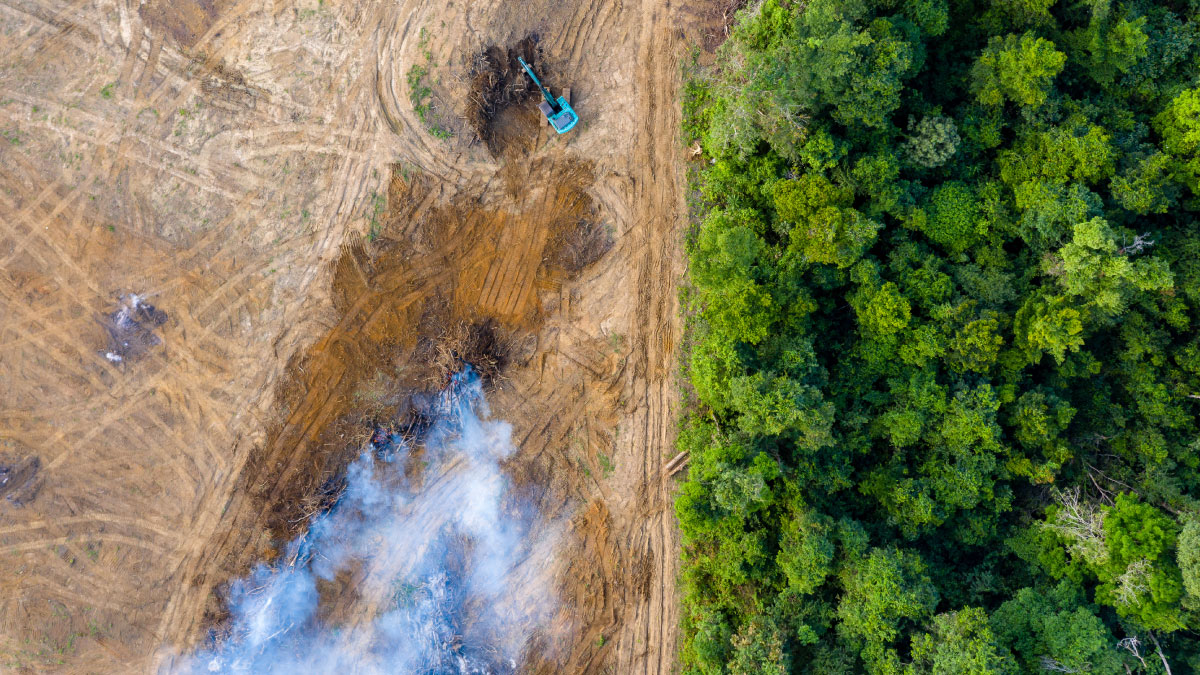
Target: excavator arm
(558,112)
(545,92)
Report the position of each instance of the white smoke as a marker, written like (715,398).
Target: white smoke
(437,564)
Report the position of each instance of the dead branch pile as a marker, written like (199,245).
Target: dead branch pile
(479,345)
(498,82)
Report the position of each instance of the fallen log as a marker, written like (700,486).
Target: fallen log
(676,464)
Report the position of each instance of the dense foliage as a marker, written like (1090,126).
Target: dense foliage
(944,305)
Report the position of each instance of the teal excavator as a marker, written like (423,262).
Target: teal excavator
(559,112)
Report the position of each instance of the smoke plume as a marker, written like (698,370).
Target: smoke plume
(445,563)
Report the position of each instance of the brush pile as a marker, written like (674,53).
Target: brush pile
(479,345)
(498,82)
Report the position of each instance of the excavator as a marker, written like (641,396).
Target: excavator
(559,112)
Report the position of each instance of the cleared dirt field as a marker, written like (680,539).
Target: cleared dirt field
(260,173)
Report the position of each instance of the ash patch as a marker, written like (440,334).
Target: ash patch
(19,479)
(499,83)
(130,329)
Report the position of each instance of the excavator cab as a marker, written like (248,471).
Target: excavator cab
(558,111)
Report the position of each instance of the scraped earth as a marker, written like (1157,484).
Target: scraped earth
(311,253)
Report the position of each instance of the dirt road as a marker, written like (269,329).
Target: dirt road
(220,159)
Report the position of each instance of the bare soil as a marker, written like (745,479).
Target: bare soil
(312,254)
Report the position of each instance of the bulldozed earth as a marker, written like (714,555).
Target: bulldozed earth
(238,238)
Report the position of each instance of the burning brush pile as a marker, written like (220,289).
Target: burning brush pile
(480,346)
(438,545)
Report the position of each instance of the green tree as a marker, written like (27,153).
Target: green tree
(781,68)
(1103,274)
(931,16)
(1048,324)
(1022,13)
(1016,68)
(1051,209)
(880,593)
(709,634)
(713,363)
(1179,125)
(729,248)
(1140,577)
(975,346)
(1187,556)
(959,643)
(964,451)
(758,650)
(882,311)
(1039,421)
(759,96)
(953,220)
(864,85)
(1056,627)
(822,150)
(744,489)
(782,405)
(1146,187)
(933,141)
(806,551)
(727,272)
(741,310)
(1076,150)
(1113,47)
(877,176)
(823,227)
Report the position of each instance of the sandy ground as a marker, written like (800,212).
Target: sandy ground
(257,171)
